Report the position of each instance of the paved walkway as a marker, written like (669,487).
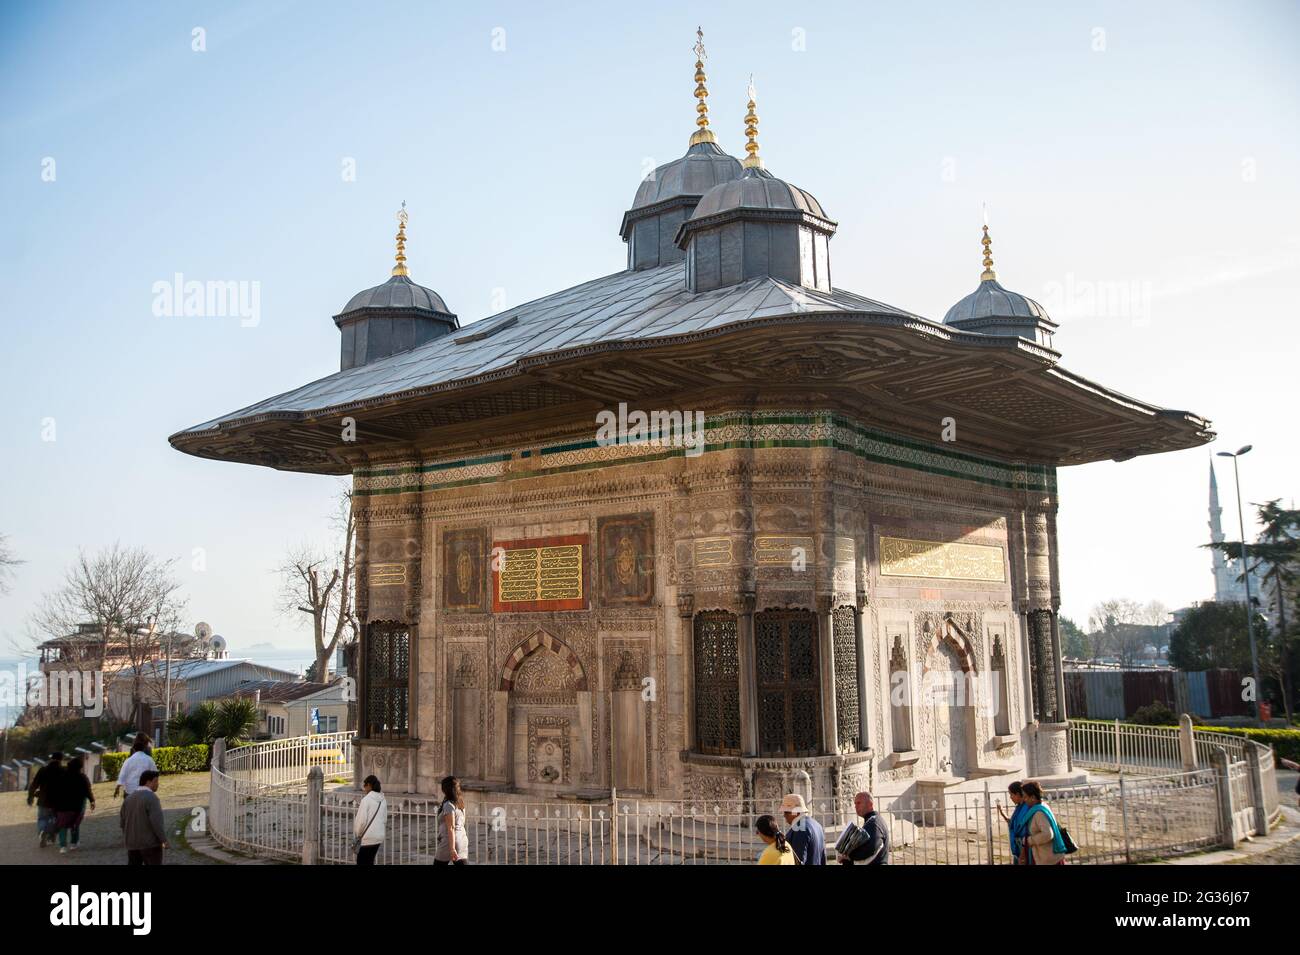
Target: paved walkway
(101,834)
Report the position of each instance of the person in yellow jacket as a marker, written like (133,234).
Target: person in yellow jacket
(776,851)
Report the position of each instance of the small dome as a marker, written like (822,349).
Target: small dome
(991,300)
(757,189)
(398,292)
(703,167)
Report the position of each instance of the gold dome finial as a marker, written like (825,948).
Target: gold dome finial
(988,275)
(752,160)
(400,267)
(703,134)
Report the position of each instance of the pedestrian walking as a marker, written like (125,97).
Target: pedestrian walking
(368,824)
(1015,822)
(72,794)
(453,840)
(867,844)
(142,822)
(805,834)
(776,850)
(139,762)
(42,789)
(1043,843)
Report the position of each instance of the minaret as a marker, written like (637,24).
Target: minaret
(1226,585)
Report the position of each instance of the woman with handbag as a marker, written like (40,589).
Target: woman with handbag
(1043,842)
(368,825)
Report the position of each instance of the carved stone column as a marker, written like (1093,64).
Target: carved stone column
(826,651)
(686,620)
(866,692)
(748,676)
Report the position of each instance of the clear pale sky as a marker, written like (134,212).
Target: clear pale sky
(1150,148)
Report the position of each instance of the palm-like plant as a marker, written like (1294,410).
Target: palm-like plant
(186,729)
(235,718)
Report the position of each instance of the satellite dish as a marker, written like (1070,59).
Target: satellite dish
(203,631)
(218,645)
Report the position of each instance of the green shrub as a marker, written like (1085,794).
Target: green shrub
(1285,743)
(170,759)
(1154,714)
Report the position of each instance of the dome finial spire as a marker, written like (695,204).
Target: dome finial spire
(751,160)
(400,267)
(703,134)
(988,275)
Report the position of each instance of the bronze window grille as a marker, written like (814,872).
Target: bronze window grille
(717,683)
(388,680)
(789,685)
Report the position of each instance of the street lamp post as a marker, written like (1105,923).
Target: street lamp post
(1245,573)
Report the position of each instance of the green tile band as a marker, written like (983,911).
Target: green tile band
(727,431)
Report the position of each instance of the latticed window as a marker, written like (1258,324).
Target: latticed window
(1001,691)
(789,688)
(900,697)
(847,703)
(388,680)
(717,683)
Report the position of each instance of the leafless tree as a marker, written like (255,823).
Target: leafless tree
(321,586)
(129,596)
(7,564)
(1114,629)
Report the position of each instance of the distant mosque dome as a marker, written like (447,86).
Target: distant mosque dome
(993,309)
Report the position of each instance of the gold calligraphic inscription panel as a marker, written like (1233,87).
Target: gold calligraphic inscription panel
(900,557)
(713,552)
(387,575)
(541,573)
(776,549)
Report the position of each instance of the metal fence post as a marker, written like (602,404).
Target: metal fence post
(613,827)
(988,821)
(1119,764)
(311,817)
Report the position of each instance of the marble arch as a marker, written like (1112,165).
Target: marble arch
(541,640)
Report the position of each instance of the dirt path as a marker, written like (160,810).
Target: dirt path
(101,835)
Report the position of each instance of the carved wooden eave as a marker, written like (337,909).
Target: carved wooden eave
(891,371)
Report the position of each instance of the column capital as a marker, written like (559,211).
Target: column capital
(747,601)
(686,606)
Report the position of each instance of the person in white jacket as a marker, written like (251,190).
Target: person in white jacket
(368,826)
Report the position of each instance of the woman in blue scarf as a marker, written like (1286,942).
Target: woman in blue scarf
(1015,823)
(1043,842)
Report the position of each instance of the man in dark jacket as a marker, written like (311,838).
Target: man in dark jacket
(874,850)
(805,835)
(42,789)
(142,823)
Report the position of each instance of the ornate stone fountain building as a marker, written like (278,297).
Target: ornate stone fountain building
(554,605)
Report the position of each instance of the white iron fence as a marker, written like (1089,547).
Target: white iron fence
(266,803)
